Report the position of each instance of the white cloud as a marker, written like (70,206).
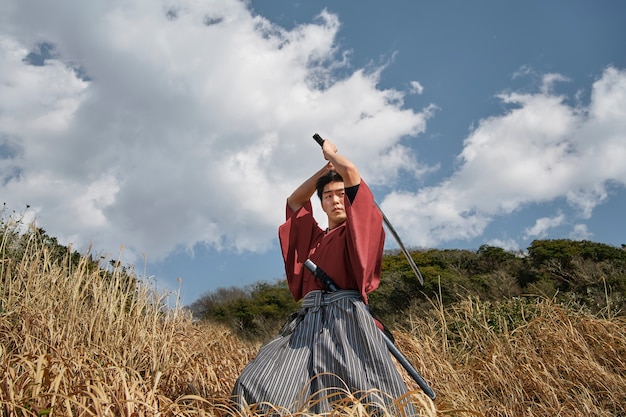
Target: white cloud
(581,232)
(542,225)
(548,81)
(160,125)
(510,245)
(416,87)
(539,151)
(523,71)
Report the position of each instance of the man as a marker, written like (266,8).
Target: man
(333,349)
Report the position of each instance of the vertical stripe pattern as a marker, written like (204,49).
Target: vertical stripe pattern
(332,347)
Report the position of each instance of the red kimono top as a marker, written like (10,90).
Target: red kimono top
(351,254)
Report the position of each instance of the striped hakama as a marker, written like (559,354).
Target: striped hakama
(330,349)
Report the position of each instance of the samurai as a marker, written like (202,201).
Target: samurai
(333,349)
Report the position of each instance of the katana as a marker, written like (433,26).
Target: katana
(329,285)
(393,232)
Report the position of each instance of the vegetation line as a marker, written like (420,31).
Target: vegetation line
(494,333)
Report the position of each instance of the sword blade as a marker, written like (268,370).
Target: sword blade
(320,142)
(402,247)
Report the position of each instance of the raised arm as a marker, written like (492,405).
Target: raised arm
(341,164)
(303,193)
(336,162)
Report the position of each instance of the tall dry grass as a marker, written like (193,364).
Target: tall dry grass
(521,358)
(75,344)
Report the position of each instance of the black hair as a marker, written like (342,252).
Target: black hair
(325,179)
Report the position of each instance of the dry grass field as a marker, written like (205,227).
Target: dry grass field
(73,343)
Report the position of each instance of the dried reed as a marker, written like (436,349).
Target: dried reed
(74,342)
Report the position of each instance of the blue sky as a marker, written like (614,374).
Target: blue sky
(169,133)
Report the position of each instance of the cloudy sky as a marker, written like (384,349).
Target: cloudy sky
(168,133)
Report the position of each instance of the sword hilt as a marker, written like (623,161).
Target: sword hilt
(326,281)
(318,139)
(419,276)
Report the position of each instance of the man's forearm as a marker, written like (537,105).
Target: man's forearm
(341,164)
(303,193)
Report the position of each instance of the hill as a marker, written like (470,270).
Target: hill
(86,338)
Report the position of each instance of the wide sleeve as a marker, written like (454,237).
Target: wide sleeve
(296,236)
(365,240)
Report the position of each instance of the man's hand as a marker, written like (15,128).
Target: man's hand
(341,164)
(328,148)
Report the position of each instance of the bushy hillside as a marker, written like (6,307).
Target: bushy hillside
(86,338)
(584,275)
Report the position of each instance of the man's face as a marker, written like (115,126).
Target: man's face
(332,203)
